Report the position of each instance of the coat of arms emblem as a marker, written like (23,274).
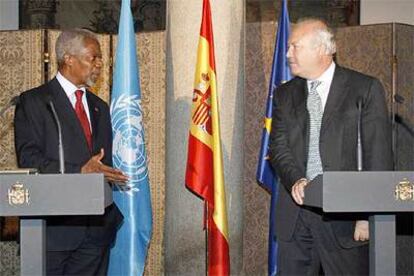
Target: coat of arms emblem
(404,190)
(18,195)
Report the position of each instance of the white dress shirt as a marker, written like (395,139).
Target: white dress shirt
(326,79)
(70,90)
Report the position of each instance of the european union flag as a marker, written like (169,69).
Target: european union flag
(265,174)
(130,250)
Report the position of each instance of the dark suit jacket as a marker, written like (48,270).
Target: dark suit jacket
(338,141)
(36,141)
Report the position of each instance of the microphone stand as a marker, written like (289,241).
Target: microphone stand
(359,141)
(61,153)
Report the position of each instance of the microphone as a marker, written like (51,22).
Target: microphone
(400,120)
(399,99)
(59,129)
(359,142)
(14,101)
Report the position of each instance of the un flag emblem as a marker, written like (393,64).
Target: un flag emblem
(128,138)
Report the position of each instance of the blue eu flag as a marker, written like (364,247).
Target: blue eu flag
(128,255)
(265,174)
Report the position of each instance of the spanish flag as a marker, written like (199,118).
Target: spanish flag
(204,174)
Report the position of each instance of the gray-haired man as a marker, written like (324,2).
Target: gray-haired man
(76,245)
(314,129)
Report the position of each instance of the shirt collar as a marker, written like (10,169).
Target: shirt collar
(327,76)
(67,85)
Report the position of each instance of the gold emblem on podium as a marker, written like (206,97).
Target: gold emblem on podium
(404,190)
(18,195)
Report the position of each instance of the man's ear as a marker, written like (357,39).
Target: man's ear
(323,51)
(68,60)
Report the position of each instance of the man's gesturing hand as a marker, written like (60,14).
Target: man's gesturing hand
(298,190)
(94,165)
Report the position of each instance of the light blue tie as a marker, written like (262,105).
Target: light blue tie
(314,106)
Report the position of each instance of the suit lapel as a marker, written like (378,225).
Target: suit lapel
(337,94)
(299,100)
(94,114)
(301,112)
(64,106)
(67,114)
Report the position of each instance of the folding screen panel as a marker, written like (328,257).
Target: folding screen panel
(260,41)
(21,68)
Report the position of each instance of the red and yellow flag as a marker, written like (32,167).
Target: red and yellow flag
(204,175)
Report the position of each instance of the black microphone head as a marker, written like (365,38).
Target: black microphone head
(359,102)
(48,101)
(399,99)
(15,100)
(398,118)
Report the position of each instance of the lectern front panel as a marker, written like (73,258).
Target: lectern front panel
(49,195)
(368,192)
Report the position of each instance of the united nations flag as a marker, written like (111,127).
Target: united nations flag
(130,250)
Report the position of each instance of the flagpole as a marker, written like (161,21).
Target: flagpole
(206,230)
(204,173)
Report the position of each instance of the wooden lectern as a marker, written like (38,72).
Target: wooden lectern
(33,196)
(381,194)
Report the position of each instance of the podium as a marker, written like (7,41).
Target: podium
(34,196)
(381,194)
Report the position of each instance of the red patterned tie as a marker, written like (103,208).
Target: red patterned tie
(83,119)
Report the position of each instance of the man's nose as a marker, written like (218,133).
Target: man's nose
(289,52)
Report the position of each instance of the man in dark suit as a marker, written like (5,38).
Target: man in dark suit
(314,129)
(76,245)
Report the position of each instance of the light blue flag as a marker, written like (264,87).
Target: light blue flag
(129,252)
(265,174)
